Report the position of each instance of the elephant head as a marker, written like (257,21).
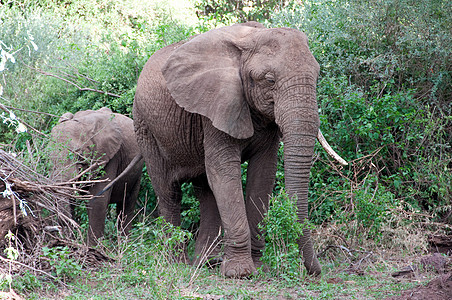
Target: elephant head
(85,137)
(243,78)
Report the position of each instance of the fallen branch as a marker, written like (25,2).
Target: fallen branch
(92,167)
(80,182)
(9,261)
(443,225)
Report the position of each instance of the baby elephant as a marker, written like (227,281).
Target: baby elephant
(107,137)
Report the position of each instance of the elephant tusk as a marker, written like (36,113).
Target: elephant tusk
(330,150)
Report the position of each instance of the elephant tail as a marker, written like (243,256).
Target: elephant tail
(138,159)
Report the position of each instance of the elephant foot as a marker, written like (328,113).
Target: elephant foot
(235,268)
(313,268)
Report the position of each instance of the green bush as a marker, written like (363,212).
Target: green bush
(230,12)
(159,236)
(282,230)
(190,208)
(63,266)
(369,204)
(379,42)
(80,65)
(384,91)
(27,282)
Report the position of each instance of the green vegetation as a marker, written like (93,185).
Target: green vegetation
(61,262)
(282,230)
(384,99)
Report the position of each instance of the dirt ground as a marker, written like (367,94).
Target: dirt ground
(439,288)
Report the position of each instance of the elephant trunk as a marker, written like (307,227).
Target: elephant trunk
(297,117)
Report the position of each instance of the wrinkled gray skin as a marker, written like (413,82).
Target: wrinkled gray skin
(226,96)
(108,137)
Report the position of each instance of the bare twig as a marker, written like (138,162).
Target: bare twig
(73,83)
(345,249)
(3,107)
(80,182)
(93,166)
(31,111)
(204,256)
(369,254)
(28,267)
(75,70)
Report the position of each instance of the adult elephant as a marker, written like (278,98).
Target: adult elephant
(107,137)
(205,105)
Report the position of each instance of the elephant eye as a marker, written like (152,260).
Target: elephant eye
(270,78)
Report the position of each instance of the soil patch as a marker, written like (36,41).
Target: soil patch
(439,288)
(441,243)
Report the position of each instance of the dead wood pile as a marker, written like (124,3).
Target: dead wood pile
(32,209)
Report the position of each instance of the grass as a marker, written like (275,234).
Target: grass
(144,268)
(112,283)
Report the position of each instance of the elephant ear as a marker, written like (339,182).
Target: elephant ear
(203,77)
(101,134)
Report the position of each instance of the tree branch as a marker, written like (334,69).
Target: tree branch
(3,107)
(31,111)
(83,89)
(26,266)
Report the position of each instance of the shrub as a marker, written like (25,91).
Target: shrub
(282,231)
(79,66)
(61,262)
(379,41)
(383,90)
(159,236)
(230,12)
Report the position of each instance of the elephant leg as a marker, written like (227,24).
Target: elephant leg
(259,185)
(222,161)
(207,247)
(166,188)
(169,197)
(97,206)
(97,211)
(126,207)
(169,206)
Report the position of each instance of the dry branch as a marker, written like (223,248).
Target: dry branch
(34,208)
(4,108)
(87,89)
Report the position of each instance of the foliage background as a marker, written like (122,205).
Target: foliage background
(384,92)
